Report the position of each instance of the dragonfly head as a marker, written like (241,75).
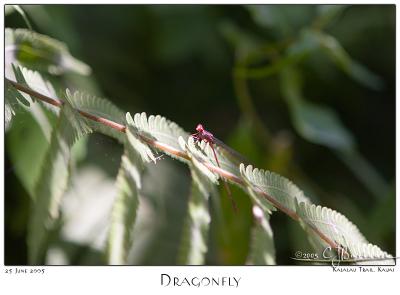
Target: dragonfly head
(199,128)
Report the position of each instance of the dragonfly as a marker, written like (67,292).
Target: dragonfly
(212,141)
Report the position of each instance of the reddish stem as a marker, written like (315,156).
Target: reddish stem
(58,103)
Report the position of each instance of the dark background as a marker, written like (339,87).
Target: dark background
(178,61)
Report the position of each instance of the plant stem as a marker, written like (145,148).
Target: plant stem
(59,103)
(166,148)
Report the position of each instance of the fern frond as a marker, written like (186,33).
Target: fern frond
(32,112)
(160,130)
(34,81)
(326,223)
(369,254)
(26,147)
(331,223)
(13,100)
(103,108)
(339,229)
(193,245)
(53,180)
(262,248)
(279,188)
(135,143)
(41,52)
(14,94)
(123,215)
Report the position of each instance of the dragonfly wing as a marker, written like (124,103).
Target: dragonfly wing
(231,153)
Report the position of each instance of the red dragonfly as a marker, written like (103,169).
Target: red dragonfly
(208,137)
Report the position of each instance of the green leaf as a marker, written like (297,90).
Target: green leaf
(135,143)
(26,147)
(311,40)
(330,224)
(300,49)
(279,188)
(13,100)
(340,230)
(9,112)
(281,20)
(53,180)
(193,247)
(41,52)
(22,13)
(305,44)
(321,125)
(160,131)
(33,80)
(8,9)
(262,248)
(29,137)
(244,42)
(100,107)
(44,113)
(123,216)
(318,124)
(328,13)
(344,61)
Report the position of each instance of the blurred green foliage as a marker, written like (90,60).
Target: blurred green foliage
(303,90)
